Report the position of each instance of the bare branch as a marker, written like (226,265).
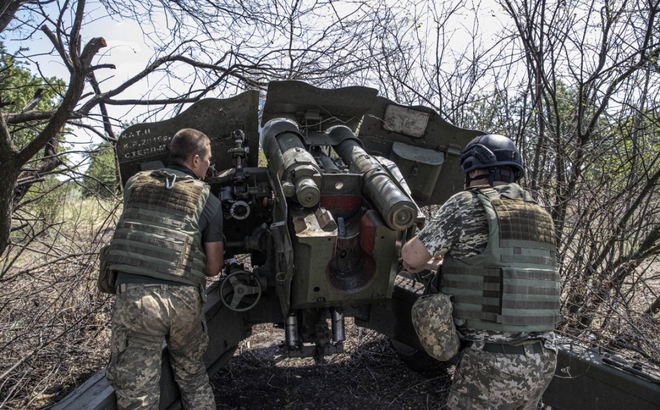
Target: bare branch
(65,110)
(58,46)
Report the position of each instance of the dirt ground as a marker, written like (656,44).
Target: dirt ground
(368,375)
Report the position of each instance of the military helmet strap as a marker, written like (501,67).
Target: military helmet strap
(494,174)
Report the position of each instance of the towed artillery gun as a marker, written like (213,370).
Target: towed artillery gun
(314,237)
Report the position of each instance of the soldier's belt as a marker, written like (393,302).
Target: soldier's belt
(535,347)
(124,287)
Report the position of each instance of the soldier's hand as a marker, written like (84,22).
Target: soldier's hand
(434,264)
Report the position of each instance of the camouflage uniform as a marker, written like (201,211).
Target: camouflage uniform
(149,310)
(432,319)
(143,316)
(486,379)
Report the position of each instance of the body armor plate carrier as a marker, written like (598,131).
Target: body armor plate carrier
(512,286)
(158,233)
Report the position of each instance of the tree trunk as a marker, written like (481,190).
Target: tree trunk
(7,173)
(49,162)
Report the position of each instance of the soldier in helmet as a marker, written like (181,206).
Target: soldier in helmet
(496,248)
(168,240)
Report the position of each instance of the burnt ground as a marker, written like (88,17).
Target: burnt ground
(368,375)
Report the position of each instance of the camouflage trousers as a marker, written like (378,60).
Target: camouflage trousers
(485,380)
(144,316)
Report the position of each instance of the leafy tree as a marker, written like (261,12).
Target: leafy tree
(101,175)
(21,91)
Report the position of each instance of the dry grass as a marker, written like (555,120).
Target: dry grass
(53,322)
(622,324)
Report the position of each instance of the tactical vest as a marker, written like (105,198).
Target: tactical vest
(158,232)
(513,286)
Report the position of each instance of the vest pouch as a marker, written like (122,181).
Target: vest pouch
(419,166)
(434,325)
(107,277)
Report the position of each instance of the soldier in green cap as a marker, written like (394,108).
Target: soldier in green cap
(494,249)
(167,242)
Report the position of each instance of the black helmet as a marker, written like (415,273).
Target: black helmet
(495,153)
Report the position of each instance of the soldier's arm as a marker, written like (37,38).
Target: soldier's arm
(415,256)
(436,238)
(214,257)
(212,236)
